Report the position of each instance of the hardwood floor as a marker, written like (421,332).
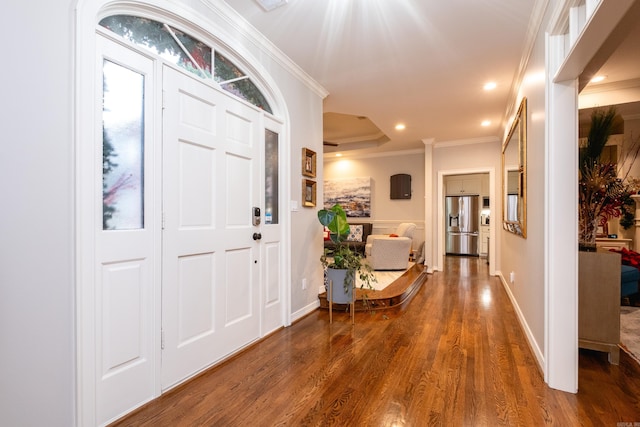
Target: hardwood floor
(454,356)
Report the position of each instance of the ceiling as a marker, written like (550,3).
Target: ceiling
(417,62)
(619,61)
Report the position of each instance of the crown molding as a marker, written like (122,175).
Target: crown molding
(608,87)
(240,24)
(533,28)
(470,141)
(331,157)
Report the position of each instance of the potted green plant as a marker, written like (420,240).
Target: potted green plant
(342,264)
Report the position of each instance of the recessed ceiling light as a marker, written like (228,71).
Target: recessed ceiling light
(490,86)
(486,123)
(269,5)
(598,79)
(338,155)
(400,126)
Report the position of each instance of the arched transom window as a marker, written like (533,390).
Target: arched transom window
(186,51)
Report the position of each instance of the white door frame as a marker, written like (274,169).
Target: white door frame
(440,251)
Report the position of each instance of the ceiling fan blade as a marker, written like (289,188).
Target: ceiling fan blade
(331,144)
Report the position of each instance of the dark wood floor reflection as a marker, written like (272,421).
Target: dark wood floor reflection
(454,356)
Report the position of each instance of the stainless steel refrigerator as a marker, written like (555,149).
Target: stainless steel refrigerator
(462,216)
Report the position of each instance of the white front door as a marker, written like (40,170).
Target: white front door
(176,262)
(211,261)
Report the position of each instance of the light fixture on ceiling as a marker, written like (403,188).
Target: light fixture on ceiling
(598,79)
(490,86)
(269,5)
(400,126)
(338,154)
(486,123)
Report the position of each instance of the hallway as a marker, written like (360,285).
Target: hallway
(455,355)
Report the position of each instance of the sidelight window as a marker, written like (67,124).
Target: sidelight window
(271,177)
(122,148)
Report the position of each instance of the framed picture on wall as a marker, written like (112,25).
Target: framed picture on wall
(308,193)
(308,163)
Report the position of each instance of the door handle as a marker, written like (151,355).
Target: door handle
(257,236)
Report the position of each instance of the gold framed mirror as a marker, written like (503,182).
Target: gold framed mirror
(514,175)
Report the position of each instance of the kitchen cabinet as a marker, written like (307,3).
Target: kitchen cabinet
(461,185)
(484,185)
(484,240)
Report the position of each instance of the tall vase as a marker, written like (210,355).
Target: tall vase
(588,229)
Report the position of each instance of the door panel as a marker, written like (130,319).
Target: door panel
(239,292)
(196,194)
(210,304)
(238,199)
(122,314)
(195,297)
(126,346)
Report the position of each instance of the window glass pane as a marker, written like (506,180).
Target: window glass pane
(200,52)
(225,69)
(157,37)
(122,148)
(246,90)
(271,177)
(187,52)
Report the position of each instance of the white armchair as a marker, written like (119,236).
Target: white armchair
(390,252)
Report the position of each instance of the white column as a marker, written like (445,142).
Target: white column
(430,236)
(561,230)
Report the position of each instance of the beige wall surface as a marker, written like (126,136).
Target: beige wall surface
(525,257)
(386,214)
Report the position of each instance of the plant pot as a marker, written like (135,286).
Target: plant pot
(336,277)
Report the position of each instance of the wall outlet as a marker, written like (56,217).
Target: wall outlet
(304,283)
(512,277)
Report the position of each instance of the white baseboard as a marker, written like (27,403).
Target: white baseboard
(304,311)
(537,352)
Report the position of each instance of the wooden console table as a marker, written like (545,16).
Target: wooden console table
(606,243)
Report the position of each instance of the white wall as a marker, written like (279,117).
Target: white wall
(386,214)
(525,257)
(305,228)
(36,219)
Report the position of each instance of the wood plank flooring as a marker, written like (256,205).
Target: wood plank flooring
(454,356)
